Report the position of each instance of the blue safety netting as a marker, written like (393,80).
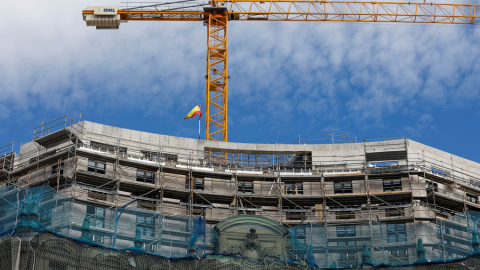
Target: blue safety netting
(139,230)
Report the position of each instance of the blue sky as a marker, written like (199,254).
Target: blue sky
(369,80)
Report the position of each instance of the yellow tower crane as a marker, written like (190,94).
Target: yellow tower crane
(216,14)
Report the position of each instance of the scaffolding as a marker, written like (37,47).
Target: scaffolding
(369,191)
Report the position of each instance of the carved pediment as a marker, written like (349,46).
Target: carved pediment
(252,240)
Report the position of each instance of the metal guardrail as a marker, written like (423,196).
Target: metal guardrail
(54,126)
(332,138)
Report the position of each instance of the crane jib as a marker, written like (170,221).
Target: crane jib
(216,15)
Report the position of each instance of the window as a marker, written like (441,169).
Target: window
(345,215)
(198,184)
(98,238)
(398,256)
(429,186)
(199,211)
(245,187)
(394,212)
(294,212)
(170,157)
(346,243)
(343,187)
(392,185)
(472,198)
(151,155)
(153,247)
(346,231)
(97,195)
(245,212)
(347,259)
(396,233)
(96,166)
(58,169)
(295,215)
(147,204)
(97,216)
(145,176)
(294,189)
(146,225)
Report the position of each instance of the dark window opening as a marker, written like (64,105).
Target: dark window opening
(346,243)
(146,176)
(97,216)
(294,189)
(246,212)
(98,239)
(199,211)
(396,233)
(170,157)
(296,162)
(97,195)
(96,166)
(245,187)
(146,204)
(58,169)
(346,231)
(146,225)
(472,198)
(295,215)
(394,213)
(198,184)
(429,186)
(343,187)
(392,185)
(345,215)
(347,259)
(151,155)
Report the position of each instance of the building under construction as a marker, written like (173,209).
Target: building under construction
(103,197)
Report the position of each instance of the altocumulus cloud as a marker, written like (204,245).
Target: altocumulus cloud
(51,57)
(363,70)
(351,76)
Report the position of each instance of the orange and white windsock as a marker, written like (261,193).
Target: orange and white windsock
(195,111)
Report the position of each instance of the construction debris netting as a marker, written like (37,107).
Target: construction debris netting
(43,229)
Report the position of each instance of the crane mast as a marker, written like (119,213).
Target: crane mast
(216,14)
(217,74)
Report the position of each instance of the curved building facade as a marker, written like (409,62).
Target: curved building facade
(331,199)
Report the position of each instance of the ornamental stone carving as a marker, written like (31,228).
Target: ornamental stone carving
(252,240)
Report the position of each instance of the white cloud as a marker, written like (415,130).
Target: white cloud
(283,72)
